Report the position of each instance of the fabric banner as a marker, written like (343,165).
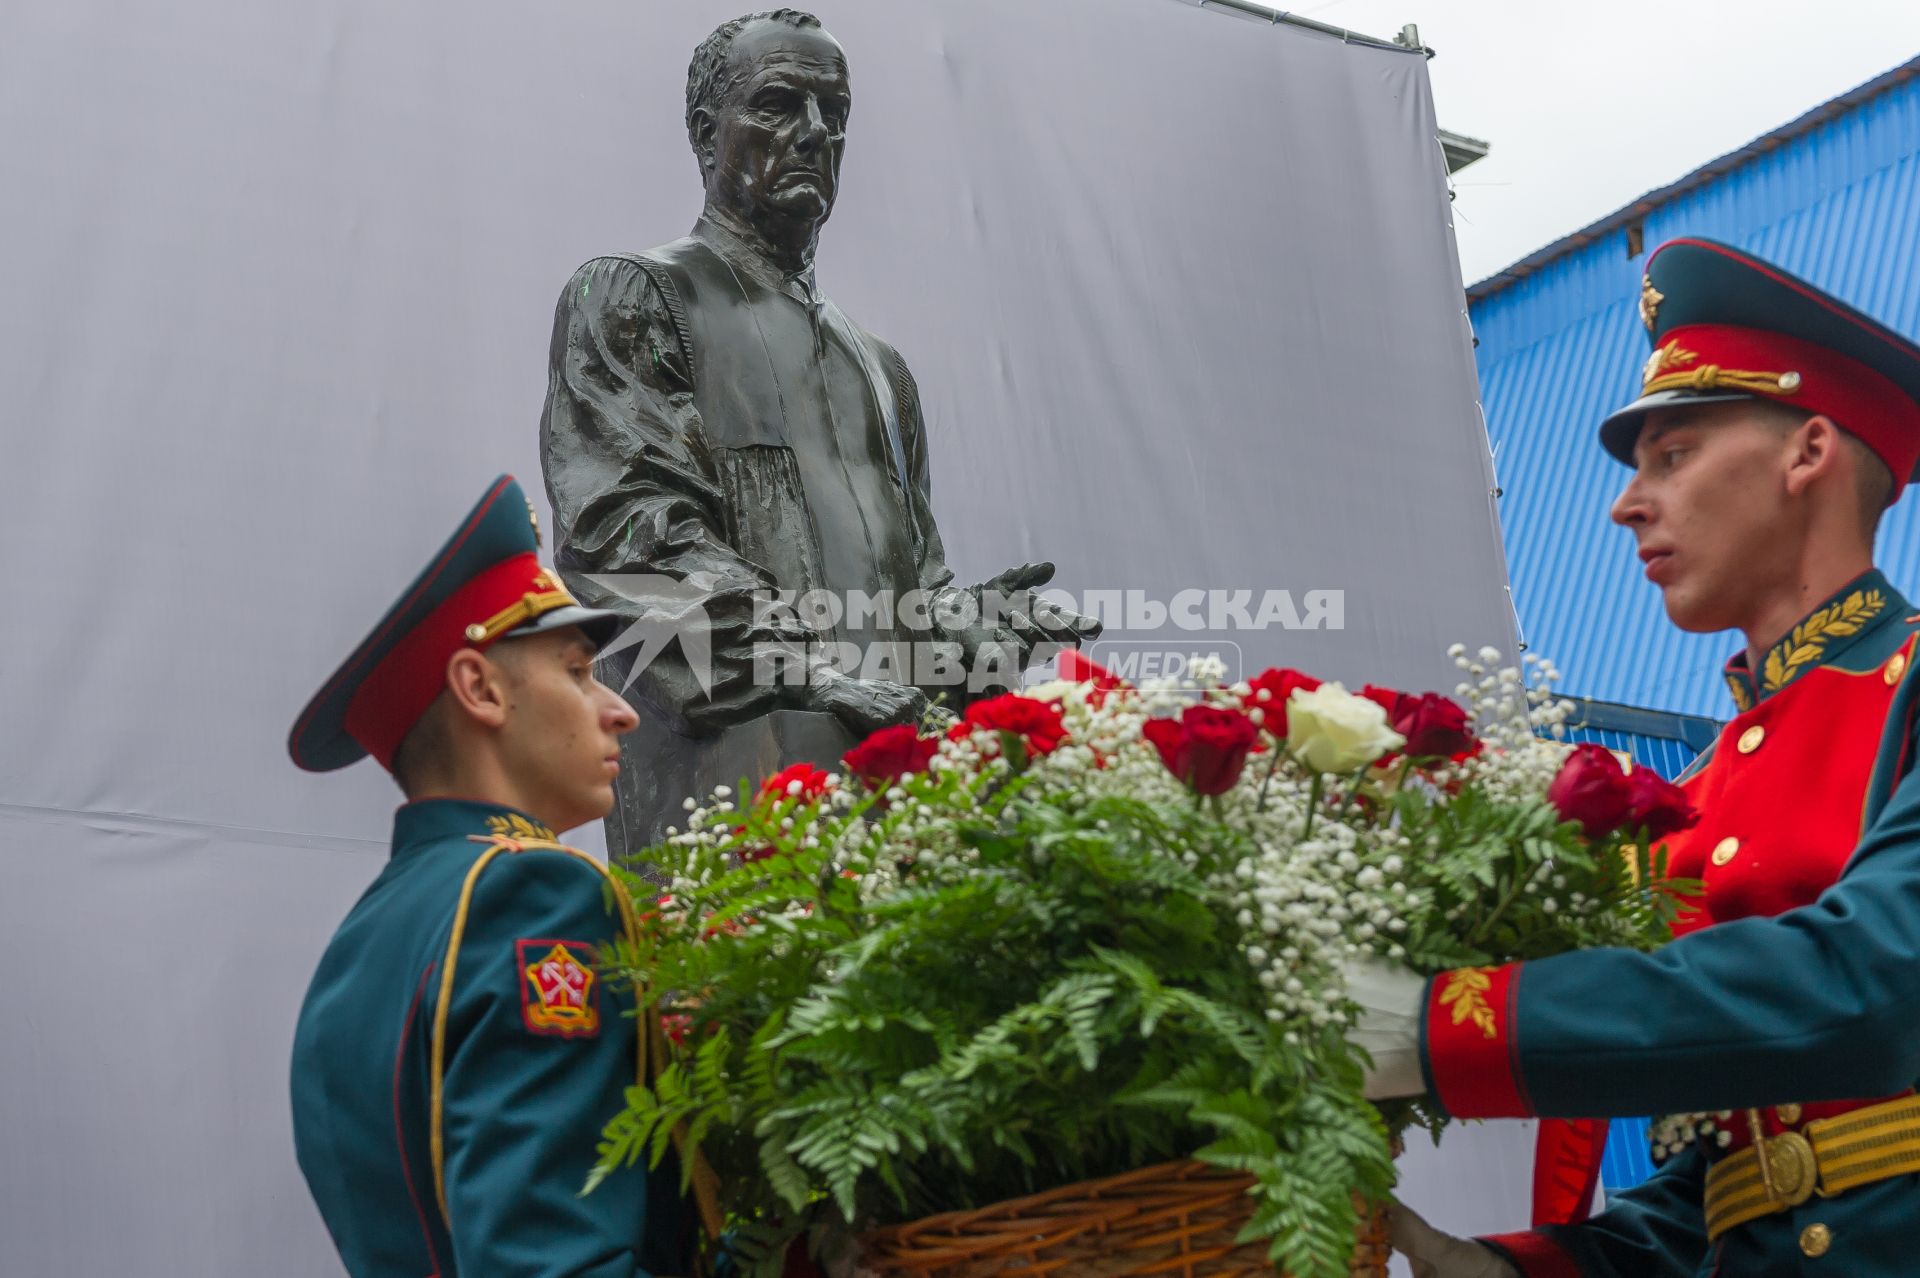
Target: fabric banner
(276,289)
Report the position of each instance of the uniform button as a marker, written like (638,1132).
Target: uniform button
(1750,739)
(1896,666)
(1788,1114)
(1815,1239)
(1724,850)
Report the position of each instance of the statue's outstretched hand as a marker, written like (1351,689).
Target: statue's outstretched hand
(1433,1254)
(1009,600)
(867,705)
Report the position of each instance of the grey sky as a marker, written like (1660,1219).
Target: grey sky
(1589,105)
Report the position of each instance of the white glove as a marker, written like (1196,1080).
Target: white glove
(1392,1000)
(1437,1255)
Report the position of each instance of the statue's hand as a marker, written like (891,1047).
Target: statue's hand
(867,705)
(1060,625)
(1011,614)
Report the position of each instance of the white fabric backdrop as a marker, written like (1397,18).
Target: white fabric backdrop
(275,292)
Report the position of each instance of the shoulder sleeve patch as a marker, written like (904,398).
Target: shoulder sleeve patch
(559,992)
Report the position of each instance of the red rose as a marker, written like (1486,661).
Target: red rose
(1385,698)
(1268,692)
(1659,806)
(1072,665)
(1036,723)
(677,1026)
(1206,747)
(889,754)
(1592,788)
(812,781)
(1435,727)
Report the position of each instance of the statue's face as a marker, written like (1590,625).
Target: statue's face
(782,125)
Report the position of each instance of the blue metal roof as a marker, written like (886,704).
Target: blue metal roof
(1834,197)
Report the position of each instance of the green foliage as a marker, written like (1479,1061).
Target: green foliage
(1509,882)
(980,987)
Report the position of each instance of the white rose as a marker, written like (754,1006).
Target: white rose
(1331,730)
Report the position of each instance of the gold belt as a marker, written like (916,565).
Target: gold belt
(1826,1157)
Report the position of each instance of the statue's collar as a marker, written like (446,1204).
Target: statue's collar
(749,259)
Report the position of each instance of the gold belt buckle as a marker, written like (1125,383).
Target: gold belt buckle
(1796,1173)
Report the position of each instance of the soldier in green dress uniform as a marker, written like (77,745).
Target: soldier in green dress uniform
(1781,1028)
(458,1051)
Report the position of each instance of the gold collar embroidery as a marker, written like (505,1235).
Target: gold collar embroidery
(512,825)
(1807,644)
(1737,685)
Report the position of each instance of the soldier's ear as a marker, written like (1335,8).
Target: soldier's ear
(1814,451)
(477,687)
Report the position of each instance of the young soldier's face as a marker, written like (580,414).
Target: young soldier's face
(561,740)
(1708,508)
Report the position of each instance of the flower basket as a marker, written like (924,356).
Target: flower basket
(1179,1218)
(989,983)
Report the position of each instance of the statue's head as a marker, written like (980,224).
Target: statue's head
(767,105)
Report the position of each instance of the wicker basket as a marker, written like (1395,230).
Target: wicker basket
(1174,1219)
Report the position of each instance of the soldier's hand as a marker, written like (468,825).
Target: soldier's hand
(1436,1255)
(1391,999)
(867,705)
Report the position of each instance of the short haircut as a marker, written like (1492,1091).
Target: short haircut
(706,77)
(424,754)
(1874,486)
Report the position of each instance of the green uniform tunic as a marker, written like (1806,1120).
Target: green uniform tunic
(535,1055)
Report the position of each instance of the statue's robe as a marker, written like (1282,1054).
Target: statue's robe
(713,424)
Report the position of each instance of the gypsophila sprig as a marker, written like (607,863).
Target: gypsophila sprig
(1095,927)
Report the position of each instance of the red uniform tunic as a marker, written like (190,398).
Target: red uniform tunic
(1809,765)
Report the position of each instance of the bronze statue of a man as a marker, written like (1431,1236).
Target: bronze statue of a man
(717,429)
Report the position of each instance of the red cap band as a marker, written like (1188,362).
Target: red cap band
(1861,401)
(395,693)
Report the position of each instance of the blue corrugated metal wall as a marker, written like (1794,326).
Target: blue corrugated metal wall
(1839,205)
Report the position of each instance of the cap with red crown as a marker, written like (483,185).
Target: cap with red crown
(485,584)
(1726,325)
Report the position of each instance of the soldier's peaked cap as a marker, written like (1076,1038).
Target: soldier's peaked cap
(484,585)
(1726,325)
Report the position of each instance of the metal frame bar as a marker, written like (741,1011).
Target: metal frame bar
(1696,732)
(1280,16)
